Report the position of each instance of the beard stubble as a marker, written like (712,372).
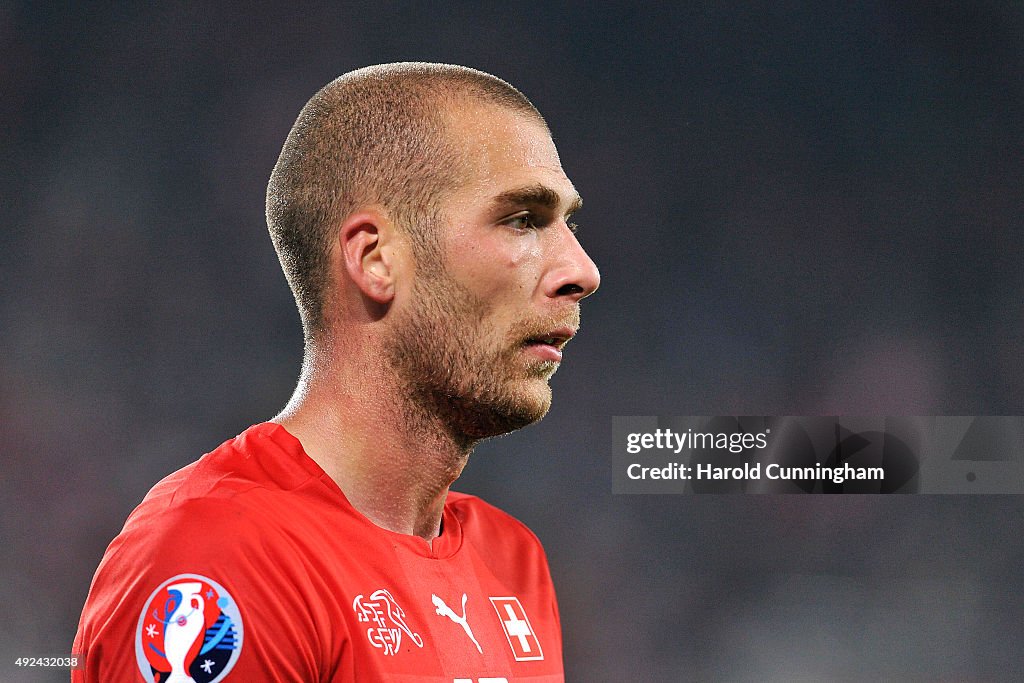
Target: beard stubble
(457,374)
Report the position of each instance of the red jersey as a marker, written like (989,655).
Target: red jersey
(251,565)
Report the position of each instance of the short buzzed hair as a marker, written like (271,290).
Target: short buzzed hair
(377,135)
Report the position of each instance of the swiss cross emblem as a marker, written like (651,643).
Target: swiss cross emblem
(520,635)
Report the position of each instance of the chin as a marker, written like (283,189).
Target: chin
(531,404)
(515,410)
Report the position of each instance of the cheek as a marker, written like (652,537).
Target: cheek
(517,286)
(520,264)
(504,269)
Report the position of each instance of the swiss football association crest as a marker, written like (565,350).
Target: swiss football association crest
(190,631)
(386,621)
(518,631)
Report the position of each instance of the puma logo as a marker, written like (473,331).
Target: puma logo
(446,611)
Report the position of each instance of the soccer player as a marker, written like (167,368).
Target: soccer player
(421,215)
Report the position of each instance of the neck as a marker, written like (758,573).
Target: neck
(393,462)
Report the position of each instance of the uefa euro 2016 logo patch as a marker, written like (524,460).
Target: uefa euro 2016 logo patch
(190,631)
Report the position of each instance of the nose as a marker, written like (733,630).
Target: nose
(574,274)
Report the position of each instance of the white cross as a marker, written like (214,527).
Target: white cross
(207,666)
(517,627)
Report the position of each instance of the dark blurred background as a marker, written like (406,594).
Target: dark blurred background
(797,208)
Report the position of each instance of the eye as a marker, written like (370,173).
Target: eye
(521,221)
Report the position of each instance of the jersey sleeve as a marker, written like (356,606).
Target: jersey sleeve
(208,589)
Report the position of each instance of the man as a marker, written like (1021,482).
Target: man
(420,213)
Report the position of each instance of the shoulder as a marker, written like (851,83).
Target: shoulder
(222,530)
(263,457)
(250,483)
(232,513)
(248,498)
(469,508)
(490,528)
(204,517)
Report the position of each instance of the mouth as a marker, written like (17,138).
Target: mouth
(548,345)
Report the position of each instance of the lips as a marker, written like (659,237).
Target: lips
(549,344)
(557,338)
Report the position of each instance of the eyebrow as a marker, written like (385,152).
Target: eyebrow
(536,195)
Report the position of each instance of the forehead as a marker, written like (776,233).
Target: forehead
(504,150)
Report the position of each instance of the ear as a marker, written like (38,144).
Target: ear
(365,239)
